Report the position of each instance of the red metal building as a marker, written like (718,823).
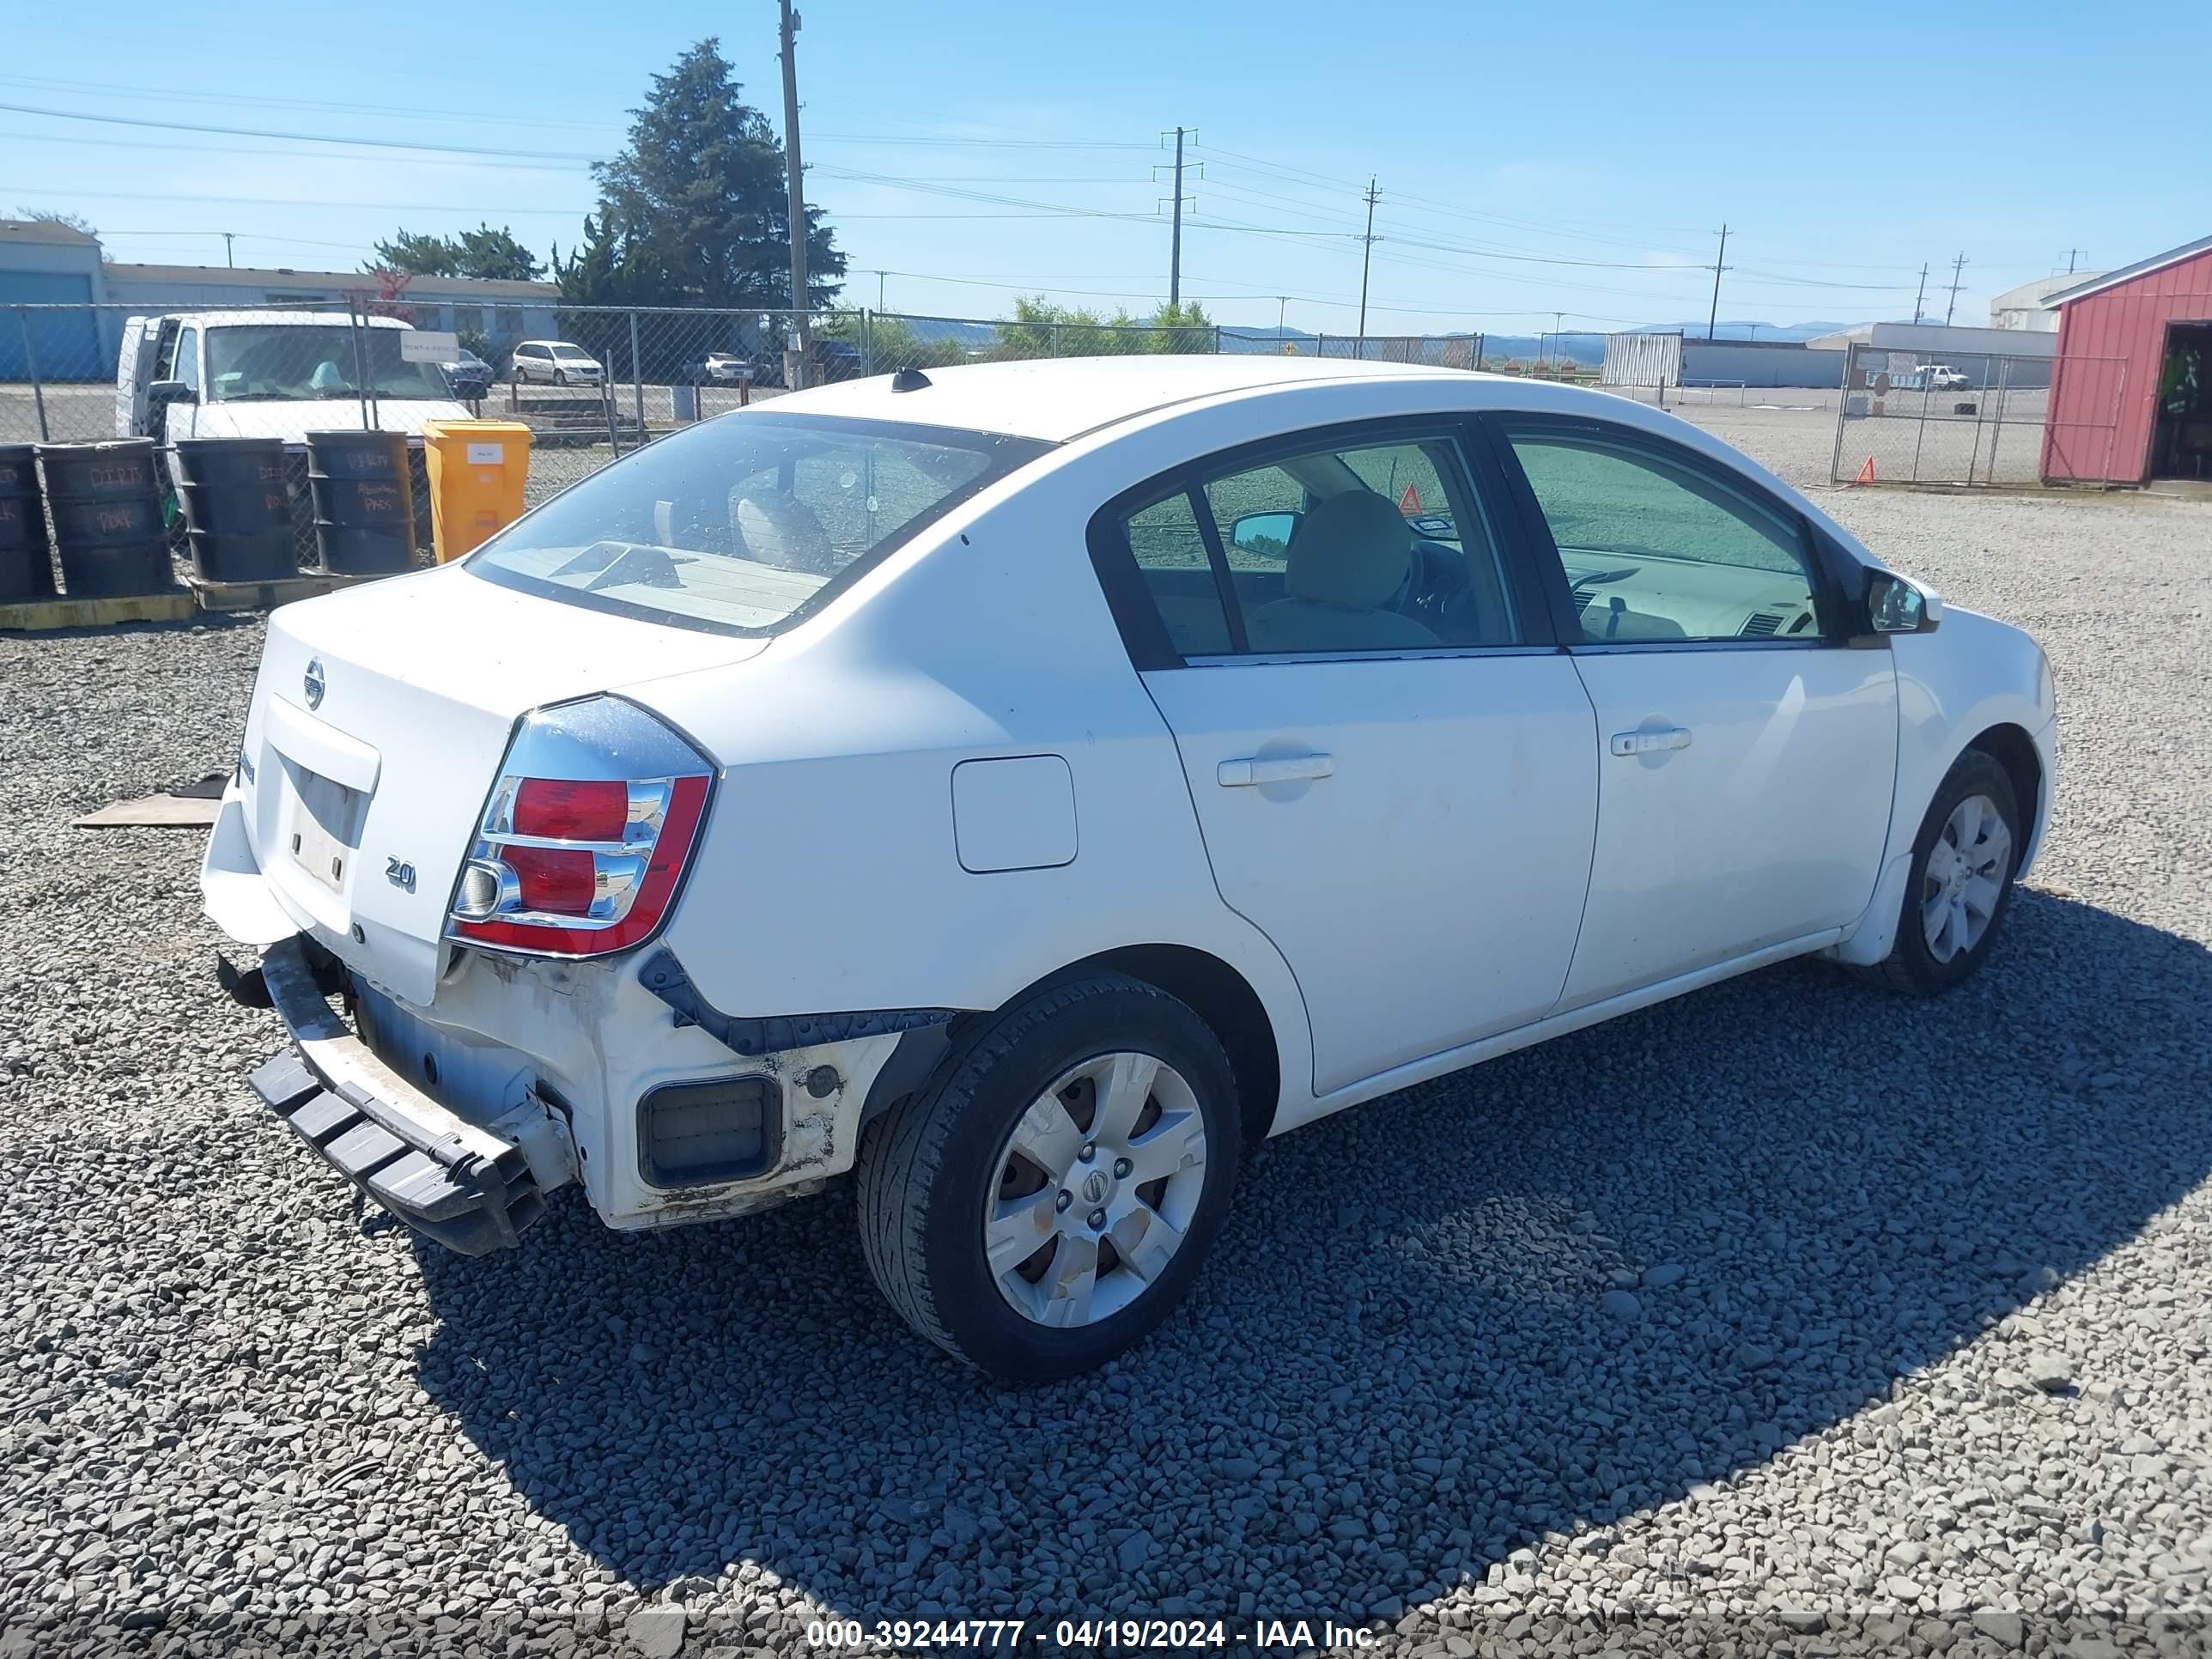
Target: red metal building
(2131,391)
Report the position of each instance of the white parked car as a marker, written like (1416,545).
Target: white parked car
(1942,377)
(556,362)
(1021,788)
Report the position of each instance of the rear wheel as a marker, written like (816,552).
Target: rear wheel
(1048,1198)
(1961,880)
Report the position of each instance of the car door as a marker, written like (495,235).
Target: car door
(1748,747)
(184,417)
(1391,760)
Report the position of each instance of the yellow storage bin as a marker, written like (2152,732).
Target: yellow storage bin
(476,471)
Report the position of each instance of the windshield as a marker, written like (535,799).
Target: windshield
(746,523)
(268,361)
(572,352)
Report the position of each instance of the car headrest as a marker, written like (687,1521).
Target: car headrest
(774,528)
(1351,550)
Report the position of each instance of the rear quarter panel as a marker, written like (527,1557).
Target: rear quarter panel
(829,878)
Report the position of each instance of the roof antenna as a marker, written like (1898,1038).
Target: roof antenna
(910,380)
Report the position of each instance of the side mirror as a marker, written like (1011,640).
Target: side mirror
(160,394)
(1896,604)
(1266,534)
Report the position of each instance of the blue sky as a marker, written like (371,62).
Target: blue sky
(1531,158)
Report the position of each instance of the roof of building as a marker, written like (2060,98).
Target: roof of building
(45,230)
(2040,292)
(216,316)
(1059,398)
(420,288)
(2173,256)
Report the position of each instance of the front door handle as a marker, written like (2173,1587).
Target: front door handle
(1283,768)
(1650,742)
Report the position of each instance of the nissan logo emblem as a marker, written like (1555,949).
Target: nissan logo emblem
(313,684)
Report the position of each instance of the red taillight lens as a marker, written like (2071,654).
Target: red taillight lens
(554,879)
(573,866)
(571,808)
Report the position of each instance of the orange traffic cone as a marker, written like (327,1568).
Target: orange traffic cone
(1866,472)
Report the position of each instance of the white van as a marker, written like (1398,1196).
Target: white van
(272,374)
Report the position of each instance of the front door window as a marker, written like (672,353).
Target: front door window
(1655,549)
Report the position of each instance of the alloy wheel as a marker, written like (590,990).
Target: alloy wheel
(1095,1189)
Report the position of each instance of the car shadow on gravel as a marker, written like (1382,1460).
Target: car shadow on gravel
(1403,1363)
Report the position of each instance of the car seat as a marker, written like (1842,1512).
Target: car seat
(1347,560)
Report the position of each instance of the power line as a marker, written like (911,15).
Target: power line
(294,137)
(299,201)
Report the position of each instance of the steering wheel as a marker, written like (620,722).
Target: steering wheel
(1436,576)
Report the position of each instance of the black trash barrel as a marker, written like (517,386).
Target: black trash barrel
(364,504)
(236,511)
(105,500)
(27,570)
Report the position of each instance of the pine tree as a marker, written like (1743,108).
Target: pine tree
(483,252)
(695,209)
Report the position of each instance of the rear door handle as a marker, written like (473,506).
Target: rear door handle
(1285,768)
(1650,742)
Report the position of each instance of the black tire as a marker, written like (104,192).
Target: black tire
(1911,968)
(924,1172)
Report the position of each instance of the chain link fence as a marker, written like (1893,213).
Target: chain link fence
(1976,418)
(607,381)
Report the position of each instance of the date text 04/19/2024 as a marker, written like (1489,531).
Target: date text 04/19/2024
(1087,1635)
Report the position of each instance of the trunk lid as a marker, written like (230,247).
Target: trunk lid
(377,727)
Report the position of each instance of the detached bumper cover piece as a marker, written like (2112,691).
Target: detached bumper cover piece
(447,1178)
(663,975)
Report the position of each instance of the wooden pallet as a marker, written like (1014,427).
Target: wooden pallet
(43,616)
(264,596)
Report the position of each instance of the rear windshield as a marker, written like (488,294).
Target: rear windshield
(746,523)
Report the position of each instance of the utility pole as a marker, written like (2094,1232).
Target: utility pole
(1366,255)
(879,276)
(1175,252)
(1922,292)
(2072,254)
(1720,264)
(1282,310)
(1957,265)
(798,376)
(226,259)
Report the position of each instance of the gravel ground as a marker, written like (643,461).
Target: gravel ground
(1785,1317)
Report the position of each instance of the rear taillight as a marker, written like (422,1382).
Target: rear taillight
(585,835)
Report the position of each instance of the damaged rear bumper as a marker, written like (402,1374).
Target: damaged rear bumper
(472,1187)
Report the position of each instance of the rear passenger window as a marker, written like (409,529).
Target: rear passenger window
(1360,547)
(1172,560)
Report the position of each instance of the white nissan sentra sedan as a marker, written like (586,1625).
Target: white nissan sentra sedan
(1022,787)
